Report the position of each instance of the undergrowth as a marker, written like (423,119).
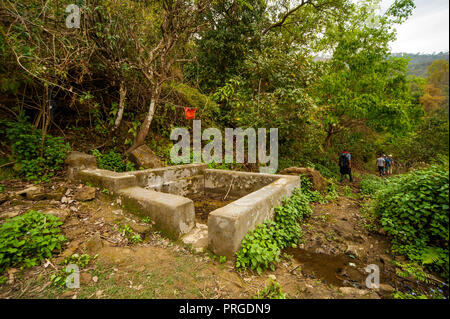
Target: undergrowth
(413,209)
(37,157)
(28,239)
(260,249)
(112,161)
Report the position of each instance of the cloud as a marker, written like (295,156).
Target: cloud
(426,31)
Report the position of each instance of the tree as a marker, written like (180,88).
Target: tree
(364,86)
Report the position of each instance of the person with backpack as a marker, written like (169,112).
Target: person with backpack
(381,162)
(345,165)
(391,165)
(387,165)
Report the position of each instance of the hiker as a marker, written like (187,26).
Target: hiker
(345,165)
(381,162)
(387,165)
(391,164)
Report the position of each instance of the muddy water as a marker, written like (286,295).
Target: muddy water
(206,203)
(330,269)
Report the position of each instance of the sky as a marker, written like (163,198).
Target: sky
(426,30)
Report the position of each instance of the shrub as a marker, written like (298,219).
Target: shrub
(307,190)
(28,239)
(261,248)
(371,183)
(26,143)
(414,210)
(113,161)
(271,291)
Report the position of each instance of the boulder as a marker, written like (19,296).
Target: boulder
(33,193)
(94,244)
(62,214)
(318,181)
(85,194)
(3,197)
(144,157)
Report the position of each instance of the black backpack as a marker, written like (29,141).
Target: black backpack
(343,161)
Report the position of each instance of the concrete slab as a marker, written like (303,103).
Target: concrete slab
(227,226)
(197,238)
(173,215)
(107,179)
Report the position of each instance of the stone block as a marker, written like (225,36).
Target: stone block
(173,215)
(227,226)
(144,157)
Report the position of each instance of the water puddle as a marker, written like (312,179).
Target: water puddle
(206,203)
(330,269)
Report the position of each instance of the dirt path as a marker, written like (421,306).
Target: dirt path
(329,264)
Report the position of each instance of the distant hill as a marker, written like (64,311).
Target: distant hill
(419,62)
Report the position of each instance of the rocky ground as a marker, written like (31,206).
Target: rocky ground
(330,263)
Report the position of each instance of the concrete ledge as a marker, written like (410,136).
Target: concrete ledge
(77,161)
(219,181)
(106,179)
(173,215)
(227,226)
(156,178)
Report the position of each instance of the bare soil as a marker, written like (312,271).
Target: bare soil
(336,249)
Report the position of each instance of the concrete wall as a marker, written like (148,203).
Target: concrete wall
(242,183)
(182,180)
(227,226)
(159,194)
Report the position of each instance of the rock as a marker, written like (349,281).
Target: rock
(386,288)
(85,194)
(353,291)
(9,215)
(142,230)
(33,193)
(55,195)
(85,278)
(3,198)
(144,157)
(60,213)
(354,250)
(94,244)
(273,277)
(318,181)
(95,279)
(78,161)
(73,246)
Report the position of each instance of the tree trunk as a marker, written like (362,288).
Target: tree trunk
(143,132)
(123,96)
(327,143)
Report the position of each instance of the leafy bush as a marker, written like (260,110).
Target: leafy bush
(129,233)
(28,239)
(59,278)
(113,161)
(307,189)
(261,248)
(26,144)
(414,210)
(271,291)
(371,183)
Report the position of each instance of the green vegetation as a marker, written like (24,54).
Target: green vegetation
(37,156)
(59,278)
(129,233)
(271,291)
(113,161)
(370,184)
(260,249)
(414,210)
(28,239)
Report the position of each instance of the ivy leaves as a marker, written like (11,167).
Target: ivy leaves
(261,248)
(27,239)
(414,211)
